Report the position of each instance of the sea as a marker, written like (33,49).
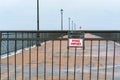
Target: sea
(11,47)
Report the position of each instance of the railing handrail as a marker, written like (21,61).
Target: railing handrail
(65,31)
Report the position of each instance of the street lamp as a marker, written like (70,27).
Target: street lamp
(0,43)
(38,35)
(61,19)
(37,15)
(69,22)
(72,25)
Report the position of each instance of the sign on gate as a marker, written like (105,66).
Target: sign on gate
(76,42)
(75,38)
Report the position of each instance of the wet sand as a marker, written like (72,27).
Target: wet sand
(33,64)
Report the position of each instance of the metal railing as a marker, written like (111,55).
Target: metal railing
(21,58)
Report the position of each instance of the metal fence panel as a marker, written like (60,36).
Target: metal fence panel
(45,55)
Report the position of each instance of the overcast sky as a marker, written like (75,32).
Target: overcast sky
(90,14)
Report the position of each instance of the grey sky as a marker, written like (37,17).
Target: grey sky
(90,14)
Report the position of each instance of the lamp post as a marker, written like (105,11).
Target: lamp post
(69,23)
(0,43)
(61,19)
(38,35)
(37,15)
(72,25)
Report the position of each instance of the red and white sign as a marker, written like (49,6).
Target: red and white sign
(75,42)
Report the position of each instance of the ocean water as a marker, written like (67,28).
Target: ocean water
(110,36)
(8,46)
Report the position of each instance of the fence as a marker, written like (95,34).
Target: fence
(45,55)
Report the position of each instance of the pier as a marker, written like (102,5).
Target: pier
(98,59)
